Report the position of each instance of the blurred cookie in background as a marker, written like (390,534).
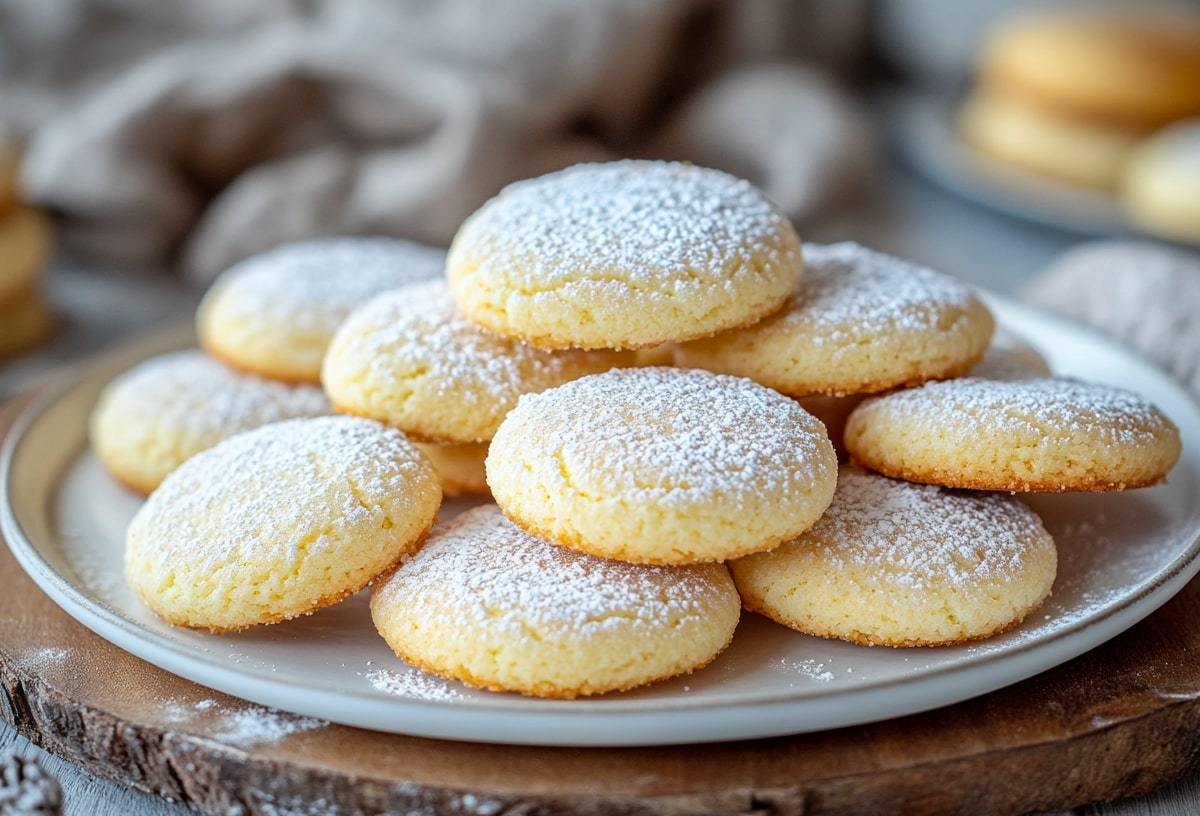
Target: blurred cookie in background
(1160,185)
(24,249)
(1144,294)
(786,128)
(10,161)
(1013,130)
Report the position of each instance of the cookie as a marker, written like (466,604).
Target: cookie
(410,359)
(1138,67)
(24,250)
(487,604)
(662,466)
(25,321)
(275,313)
(1029,136)
(1042,435)
(899,564)
(163,411)
(1160,185)
(625,255)
(860,321)
(279,522)
(460,467)
(1010,358)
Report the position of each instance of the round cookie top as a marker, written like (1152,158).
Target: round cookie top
(486,603)
(627,254)
(164,410)
(410,359)
(1136,67)
(662,465)
(905,564)
(279,521)
(1043,435)
(275,313)
(860,321)
(24,249)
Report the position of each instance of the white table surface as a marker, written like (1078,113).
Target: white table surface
(905,216)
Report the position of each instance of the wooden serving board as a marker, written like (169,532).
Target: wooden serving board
(1120,720)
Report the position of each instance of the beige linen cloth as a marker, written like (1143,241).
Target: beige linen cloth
(175,131)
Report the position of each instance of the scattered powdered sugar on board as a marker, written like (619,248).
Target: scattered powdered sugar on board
(313,285)
(45,657)
(618,224)
(191,391)
(676,436)
(850,291)
(483,569)
(414,683)
(922,535)
(245,727)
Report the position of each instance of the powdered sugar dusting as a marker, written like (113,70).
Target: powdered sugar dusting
(925,536)
(673,435)
(190,392)
(245,727)
(313,285)
(482,568)
(849,291)
(623,224)
(276,495)
(970,407)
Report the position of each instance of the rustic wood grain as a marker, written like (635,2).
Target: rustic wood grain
(1120,720)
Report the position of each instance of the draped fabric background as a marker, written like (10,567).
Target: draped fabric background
(196,133)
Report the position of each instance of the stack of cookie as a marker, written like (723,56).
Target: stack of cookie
(25,318)
(1107,97)
(637,509)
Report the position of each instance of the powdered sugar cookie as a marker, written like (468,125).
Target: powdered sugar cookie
(275,313)
(163,411)
(279,522)
(899,564)
(662,465)
(408,358)
(487,604)
(1039,435)
(859,321)
(627,254)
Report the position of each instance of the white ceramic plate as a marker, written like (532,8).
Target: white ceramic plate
(1121,556)
(923,127)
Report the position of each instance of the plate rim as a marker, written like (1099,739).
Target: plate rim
(171,655)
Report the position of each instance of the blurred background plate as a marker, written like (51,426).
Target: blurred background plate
(923,128)
(1121,557)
